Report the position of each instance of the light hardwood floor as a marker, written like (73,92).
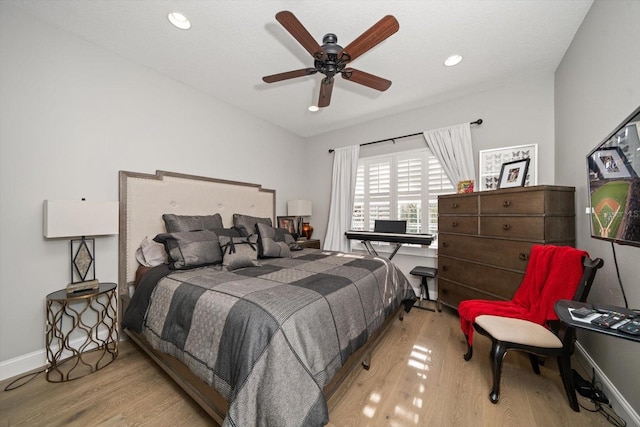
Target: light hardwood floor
(417,378)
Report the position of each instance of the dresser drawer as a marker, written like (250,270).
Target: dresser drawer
(527,202)
(530,202)
(458,224)
(451,294)
(500,253)
(458,204)
(540,228)
(499,282)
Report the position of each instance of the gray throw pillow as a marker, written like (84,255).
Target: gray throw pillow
(274,242)
(246,224)
(179,223)
(191,249)
(239,252)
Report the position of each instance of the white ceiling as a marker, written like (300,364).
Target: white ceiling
(233,43)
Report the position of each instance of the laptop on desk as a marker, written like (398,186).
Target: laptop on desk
(390,226)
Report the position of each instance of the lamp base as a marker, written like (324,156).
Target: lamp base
(89,285)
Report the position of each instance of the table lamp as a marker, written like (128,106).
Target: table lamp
(299,208)
(80,218)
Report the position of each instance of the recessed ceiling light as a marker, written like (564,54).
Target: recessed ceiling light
(313,108)
(179,20)
(453,60)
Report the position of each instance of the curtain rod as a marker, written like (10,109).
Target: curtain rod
(331,150)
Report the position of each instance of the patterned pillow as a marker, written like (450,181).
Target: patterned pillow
(179,223)
(190,249)
(274,242)
(247,224)
(239,252)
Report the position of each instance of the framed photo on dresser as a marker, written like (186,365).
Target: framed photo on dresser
(513,174)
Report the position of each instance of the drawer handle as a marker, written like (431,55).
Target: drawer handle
(454,205)
(445,244)
(506,227)
(444,291)
(454,224)
(523,256)
(445,267)
(506,203)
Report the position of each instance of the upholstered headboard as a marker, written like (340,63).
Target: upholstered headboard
(144,198)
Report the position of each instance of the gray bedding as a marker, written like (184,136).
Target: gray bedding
(269,338)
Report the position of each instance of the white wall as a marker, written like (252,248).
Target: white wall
(518,113)
(598,86)
(73,115)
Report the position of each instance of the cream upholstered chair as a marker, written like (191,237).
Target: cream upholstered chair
(551,339)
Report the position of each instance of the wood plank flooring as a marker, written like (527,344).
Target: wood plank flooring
(417,378)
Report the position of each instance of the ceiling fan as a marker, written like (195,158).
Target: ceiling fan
(331,58)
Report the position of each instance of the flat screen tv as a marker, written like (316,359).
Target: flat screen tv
(614,184)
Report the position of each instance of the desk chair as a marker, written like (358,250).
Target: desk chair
(510,325)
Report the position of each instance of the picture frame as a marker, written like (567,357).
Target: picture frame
(465,186)
(611,163)
(288,223)
(490,163)
(513,174)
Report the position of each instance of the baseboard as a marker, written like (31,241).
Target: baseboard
(38,359)
(619,403)
(22,364)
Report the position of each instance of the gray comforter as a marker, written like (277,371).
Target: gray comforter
(269,338)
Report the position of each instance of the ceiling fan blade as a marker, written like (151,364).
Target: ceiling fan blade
(366,79)
(300,33)
(289,75)
(380,31)
(326,87)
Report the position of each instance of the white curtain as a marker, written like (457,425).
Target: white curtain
(343,187)
(452,147)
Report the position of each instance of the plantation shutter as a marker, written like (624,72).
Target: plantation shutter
(400,186)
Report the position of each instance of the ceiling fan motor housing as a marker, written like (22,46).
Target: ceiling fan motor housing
(332,65)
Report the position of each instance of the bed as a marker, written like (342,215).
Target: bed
(266,343)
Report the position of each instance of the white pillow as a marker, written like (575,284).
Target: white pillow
(151,253)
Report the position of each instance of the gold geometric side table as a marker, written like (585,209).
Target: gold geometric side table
(82,332)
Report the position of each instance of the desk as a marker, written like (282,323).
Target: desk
(562,310)
(366,237)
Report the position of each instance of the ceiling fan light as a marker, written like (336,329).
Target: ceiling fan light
(179,20)
(313,108)
(453,60)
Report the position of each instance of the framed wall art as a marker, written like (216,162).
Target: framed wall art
(491,161)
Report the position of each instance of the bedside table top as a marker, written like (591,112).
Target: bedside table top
(62,295)
(309,243)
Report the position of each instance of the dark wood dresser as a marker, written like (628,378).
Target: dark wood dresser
(484,238)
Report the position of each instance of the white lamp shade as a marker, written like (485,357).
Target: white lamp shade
(299,207)
(75,218)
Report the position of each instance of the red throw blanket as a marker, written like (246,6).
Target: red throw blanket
(553,273)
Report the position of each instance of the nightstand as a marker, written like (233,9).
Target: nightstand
(311,243)
(82,332)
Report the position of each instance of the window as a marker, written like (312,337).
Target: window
(402,186)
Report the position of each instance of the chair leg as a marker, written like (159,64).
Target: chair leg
(498,351)
(564,364)
(535,365)
(469,353)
